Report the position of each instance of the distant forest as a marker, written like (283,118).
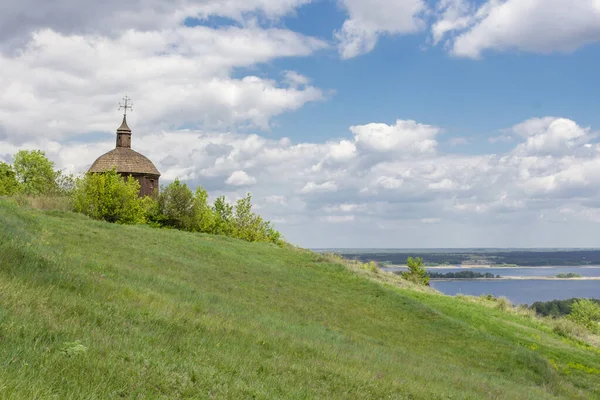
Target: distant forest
(555,308)
(515,258)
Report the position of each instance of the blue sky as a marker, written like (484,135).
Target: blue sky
(382,123)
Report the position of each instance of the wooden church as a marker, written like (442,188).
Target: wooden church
(128,161)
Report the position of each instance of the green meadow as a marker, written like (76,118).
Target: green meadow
(92,310)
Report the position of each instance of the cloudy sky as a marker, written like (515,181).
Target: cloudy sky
(353,123)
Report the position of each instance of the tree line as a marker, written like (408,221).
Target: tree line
(109,197)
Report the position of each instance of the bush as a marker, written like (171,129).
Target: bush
(416,271)
(109,197)
(567,328)
(586,313)
(503,303)
(8,180)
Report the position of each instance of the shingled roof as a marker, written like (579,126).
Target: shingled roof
(125,160)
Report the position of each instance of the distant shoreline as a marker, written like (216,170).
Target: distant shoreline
(481,266)
(519,278)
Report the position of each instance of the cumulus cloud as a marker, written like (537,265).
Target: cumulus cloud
(180,76)
(368,20)
(541,26)
(312,187)
(19,18)
(404,136)
(240,178)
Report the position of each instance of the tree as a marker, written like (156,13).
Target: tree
(176,206)
(223,214)
(107,196)
(35,172)
(203,214)
(416,271)
(8,180)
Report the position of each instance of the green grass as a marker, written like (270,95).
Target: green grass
(91,310)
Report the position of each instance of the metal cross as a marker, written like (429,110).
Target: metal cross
(126,105)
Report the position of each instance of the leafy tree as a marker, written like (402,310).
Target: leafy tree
(203,213)
(176,205)
(107,196)
(35,172)
(223,214)
(8,180)
(247,225)
(416,271)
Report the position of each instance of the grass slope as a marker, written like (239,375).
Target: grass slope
(90,310)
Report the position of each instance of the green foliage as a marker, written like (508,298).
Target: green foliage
(251,227)
(568,276)
(223,217)
(179,208)
(462,275)
(35,173)
(109,197)
(556,308)
(204,219)
(176,206)
(416,271)
(8,180)
(586,312)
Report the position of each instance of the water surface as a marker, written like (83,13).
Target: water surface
(521,291)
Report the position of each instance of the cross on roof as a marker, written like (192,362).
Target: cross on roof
(126,105)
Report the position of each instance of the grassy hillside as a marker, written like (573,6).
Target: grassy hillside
(91,310)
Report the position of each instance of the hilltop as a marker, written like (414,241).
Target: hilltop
(92,310)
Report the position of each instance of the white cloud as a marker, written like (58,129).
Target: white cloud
(404,137)
(345,208)
(177,76)
(550,136)
(312,187)
(274,199)
(342,151)
(336,219)
(240,178)
(540,26)
(19,18)
(368,20)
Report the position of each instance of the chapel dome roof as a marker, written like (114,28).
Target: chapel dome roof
(125,160)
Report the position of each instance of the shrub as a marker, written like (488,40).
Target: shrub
(107,196)
(503,303)
(586,313)
(567,328)
(416,271)
(371,266)
(8,180)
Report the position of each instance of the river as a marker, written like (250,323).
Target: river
(522,291)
